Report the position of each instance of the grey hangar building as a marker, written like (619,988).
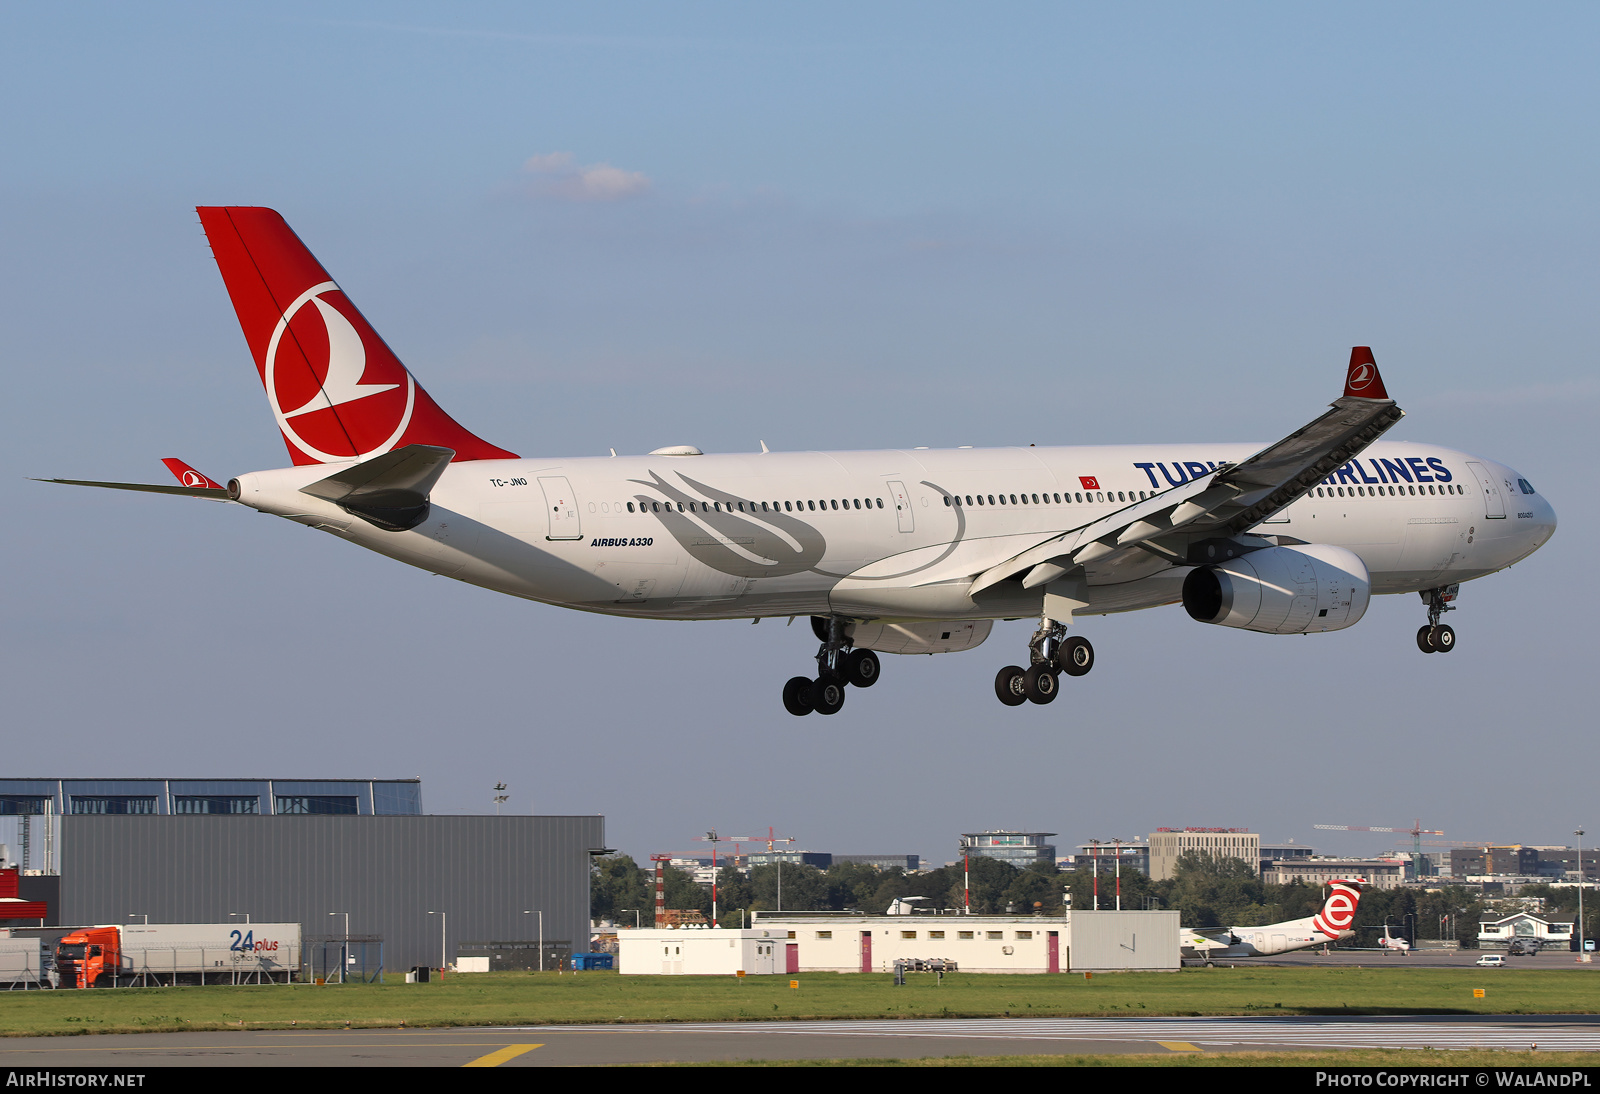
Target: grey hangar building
(343,858)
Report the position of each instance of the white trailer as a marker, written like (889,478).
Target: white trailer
(22,962)
(243,953)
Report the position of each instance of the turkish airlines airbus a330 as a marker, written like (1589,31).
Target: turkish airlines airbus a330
(890,551)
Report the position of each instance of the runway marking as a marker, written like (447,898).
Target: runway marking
(1377,1033)
(500,1056)
(1178,1046)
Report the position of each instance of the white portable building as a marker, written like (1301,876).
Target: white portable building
(704,951)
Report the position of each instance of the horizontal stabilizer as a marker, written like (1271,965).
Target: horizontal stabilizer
(215,493)
(391,490)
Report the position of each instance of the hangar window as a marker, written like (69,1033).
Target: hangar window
(112,803)
(994,936)
(1024,936)
(936,934)
(319,804)
(908,934)
(231,803)
(824,934)
(21,807)
(963,934)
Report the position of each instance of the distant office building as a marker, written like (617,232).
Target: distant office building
(1380,873)
(909,863)
(820,859)
(1562,862)
(1133,856)
(1291,852)
(1513,860)
(1020,849)
(1167,845)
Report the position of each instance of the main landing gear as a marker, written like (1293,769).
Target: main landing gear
(1050,652)
(1437,637)
(837,666)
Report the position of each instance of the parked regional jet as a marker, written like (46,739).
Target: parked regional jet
(1328,925)
(887,551)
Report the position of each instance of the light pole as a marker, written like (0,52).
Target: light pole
(444,921)
(245,914)
(1583,952)
(500,798)
(344,947)
(635,912)
(142,915)
(540,914)
(1118,841)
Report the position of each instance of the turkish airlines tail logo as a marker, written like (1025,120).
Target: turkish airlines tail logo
(1363,381)
(1340,910)
(336,390)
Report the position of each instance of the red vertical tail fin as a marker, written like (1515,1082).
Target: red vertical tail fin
(1339,911)
(336,389)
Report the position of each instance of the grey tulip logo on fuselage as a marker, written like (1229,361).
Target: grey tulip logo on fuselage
(752,533)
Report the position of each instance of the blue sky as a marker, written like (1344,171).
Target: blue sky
(821,226)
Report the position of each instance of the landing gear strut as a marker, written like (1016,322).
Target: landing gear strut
(1050,651)
(837,666)
(1437,637)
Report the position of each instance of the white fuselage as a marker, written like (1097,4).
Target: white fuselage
(1274,938)
(874,535)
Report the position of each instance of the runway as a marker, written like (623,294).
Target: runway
(558,1046)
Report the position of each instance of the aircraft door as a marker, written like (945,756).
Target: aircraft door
(902,505)
(561,506)
(1494,506)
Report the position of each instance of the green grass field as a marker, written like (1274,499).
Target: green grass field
(537,998)
(1346,1058)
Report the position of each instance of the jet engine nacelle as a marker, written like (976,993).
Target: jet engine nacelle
(949,637)
(1282,590)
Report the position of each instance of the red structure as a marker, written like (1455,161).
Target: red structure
(12,906)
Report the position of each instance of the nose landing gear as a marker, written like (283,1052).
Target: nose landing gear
(1050,652)
(1437,637)
(837,666)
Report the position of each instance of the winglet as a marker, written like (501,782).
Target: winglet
(1363,381)
(188,475)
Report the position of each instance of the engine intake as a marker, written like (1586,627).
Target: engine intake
(1282,590)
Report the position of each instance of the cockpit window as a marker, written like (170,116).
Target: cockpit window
(1527,487)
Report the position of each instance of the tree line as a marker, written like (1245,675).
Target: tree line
(1208,892)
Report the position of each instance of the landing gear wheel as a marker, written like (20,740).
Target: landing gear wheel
(826,696)
(1425,640)
(1076,656)
(1009,686)
(1040,684)
(1444,638)
(797,696)
(861,668)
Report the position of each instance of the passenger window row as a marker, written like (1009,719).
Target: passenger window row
(812,506)
(1082,497)
(1393,491)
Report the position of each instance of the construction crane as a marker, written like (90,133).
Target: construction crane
(1416,832)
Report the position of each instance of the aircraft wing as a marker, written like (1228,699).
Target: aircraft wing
(1231,500)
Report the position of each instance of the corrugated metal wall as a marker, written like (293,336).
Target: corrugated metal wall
(387,872)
